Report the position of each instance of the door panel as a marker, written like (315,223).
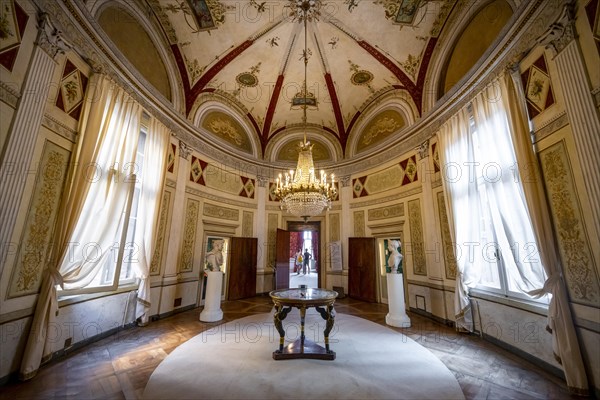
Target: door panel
(242,268)
(282,259)
(362,269)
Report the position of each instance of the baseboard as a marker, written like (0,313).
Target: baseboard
(172,312)
(429,315)
(523,354)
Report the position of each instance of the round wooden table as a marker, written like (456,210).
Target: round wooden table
(286,299)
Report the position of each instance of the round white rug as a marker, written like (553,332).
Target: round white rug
(234,361)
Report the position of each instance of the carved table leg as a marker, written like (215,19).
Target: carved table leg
(329,316)
(280,314)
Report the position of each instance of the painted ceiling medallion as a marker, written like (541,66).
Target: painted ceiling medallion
(249,78)
(361,77)
(301,10)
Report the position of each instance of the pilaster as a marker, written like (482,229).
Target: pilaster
(579,102)
(346,224)
(432,245)
(183,173)
(16,164)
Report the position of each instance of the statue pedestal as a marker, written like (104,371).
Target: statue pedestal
(397,313)
(212,300)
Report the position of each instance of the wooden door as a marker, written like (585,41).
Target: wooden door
(242,268)
(282,259)
(362,269)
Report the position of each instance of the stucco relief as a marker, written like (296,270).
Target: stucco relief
(186,263)
(573,243)
(416,237)
(211,210)
(157,257)
(448,248)
(395,210)
(359,223)
(37,235)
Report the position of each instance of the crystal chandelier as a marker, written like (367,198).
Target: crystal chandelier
(301,192)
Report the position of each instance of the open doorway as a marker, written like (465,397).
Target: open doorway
(305,245)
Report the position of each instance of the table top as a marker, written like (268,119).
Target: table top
(310,296)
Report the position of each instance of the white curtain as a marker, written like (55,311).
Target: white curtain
(153,173)
(93,242)
(508,208)
(499,113)
(457,159)
(560,321)
(107,111)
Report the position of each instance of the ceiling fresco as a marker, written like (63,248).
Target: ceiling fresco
(250,52)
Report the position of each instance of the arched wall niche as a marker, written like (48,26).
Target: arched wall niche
(282,147)
(474,39)
(130,31)
(228,125)
(380,123)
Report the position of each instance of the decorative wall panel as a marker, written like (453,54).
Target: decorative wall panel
(272,223)
(334,227)
(538,87)
(39,223)
(13,20)
(159,246)
(217,178)
(389,178)
(573,243)
(71,92)
(448,248)
(186,258)
(359,224)
(247,224)
(417,244)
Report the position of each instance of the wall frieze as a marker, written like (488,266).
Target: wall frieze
(9,95)
(170,183)
(58,127)
(551,126)
(219,199)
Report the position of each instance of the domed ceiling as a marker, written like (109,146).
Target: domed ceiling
(242,71)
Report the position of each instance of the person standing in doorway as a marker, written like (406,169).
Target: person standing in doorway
(305,260)
(298,266)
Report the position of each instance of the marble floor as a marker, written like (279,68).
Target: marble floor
(119,366)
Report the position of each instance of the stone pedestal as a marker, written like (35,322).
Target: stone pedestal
(212,300)
(397,313)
